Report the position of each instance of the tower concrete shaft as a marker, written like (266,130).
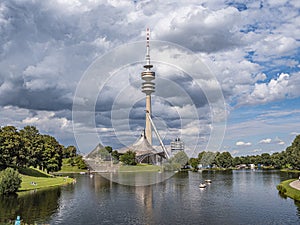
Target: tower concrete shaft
(148,128)
(148,87)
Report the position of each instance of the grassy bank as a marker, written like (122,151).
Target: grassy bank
(35,179)
(140,168)
(290,171)
(285,189)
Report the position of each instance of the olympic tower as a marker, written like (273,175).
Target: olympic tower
(148,87)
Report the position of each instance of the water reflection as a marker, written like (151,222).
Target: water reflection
(138,179)
(34,206)
(233,197)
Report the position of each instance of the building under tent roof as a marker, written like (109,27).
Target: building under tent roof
(145,153)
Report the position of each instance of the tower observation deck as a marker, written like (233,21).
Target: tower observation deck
(148,87)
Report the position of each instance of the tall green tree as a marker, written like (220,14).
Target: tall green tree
(180,158)
(194,162)
(69,152)
(224,160)
(33,145)
(11,147)
(52,154)
(293,153)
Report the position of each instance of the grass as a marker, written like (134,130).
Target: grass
(289,170)
(67,168)
(33,178)
(140,168)
(33,172)
(42,182)
(285,189)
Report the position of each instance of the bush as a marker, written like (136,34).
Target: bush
(10,181)
(281,189)
(128,158)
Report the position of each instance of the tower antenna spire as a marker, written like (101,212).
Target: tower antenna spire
(148,46)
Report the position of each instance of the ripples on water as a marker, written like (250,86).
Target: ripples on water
(233,197)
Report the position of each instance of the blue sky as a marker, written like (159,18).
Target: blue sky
(246,50)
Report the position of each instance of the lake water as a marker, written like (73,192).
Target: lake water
(233,197)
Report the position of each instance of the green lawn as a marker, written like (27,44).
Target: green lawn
(67,168)
(31,183)
(139,168)
(288,191)
(70,169)
(290,171)
(33,178)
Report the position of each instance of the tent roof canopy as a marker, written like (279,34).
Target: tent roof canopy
(140,147)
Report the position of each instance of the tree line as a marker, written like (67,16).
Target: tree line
(27,147)
(290,158)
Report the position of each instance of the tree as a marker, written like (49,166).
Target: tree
(52,154)
(69,152)
(180,158)
(236,161)
(194,162)
(11,146)
(293,153)
(128,158)
(266,159)
(208,159)
(33,145)
(10,181)
(224,160)
(109,149)
(80,162)
(115,155)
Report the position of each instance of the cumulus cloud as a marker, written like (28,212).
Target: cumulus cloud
(241,143)
(265,141)
(45,47)
(276,89)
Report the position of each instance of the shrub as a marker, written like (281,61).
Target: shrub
(128,158)
(10,181)
(281,189)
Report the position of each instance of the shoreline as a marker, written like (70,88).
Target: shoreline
(290,188)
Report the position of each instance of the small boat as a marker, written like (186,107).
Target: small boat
(202,185)
(208,181)
(82,173)
(91,175)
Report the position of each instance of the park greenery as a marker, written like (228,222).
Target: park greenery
(26,149)
(175,163)
(286,190)
(10,181)
(128,158)
(289,159)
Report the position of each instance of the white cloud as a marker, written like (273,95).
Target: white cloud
(276,89)
(40,68)
(265,141)
(241,143)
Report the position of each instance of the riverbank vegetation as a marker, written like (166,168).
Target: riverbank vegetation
(26,149)
(286,190)
(288,159)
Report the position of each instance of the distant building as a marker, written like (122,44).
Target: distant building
(176,146)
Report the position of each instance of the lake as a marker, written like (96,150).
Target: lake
(233,197)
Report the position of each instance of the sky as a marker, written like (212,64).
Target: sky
(227,72)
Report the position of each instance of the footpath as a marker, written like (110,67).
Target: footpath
(295,184)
